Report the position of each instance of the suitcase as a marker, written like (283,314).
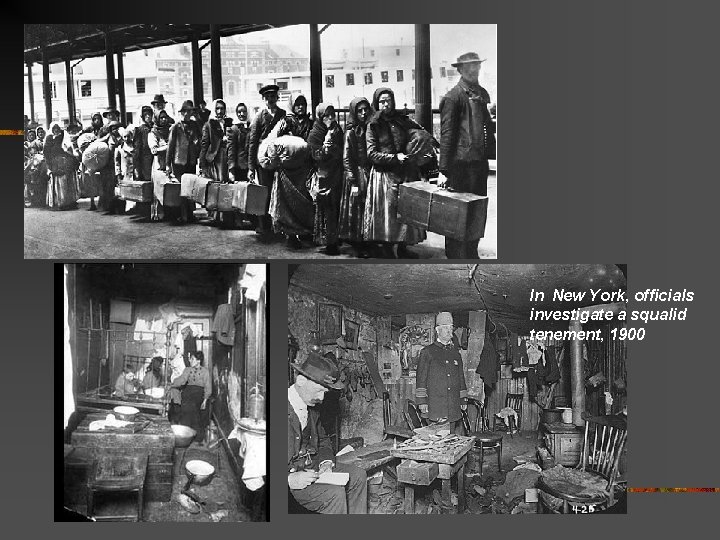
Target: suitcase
(225,197)
(171,197)
(136,191)
(199,192)
(166,191)
(251,198)
(461,216)
(187,184)
(213,193)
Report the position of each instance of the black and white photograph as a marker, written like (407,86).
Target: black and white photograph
(461,395)
(164,386)
(260,141)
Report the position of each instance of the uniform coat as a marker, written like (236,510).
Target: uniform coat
(440,381)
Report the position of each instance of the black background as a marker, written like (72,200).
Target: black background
(608,152)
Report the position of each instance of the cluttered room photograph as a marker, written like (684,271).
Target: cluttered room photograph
(164,387)
(457,388)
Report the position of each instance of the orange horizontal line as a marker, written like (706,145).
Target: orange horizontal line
(672,490)
(12,132)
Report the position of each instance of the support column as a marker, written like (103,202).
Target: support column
(70,91)
(316,94)
(197,69)
(31,92)
(47,90)
(577,380)
(110,71)
(215,65)
(423,89)
(121,87)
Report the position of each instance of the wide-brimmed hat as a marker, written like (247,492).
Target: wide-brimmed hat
(444,318)
(158,99)
(269,88)
(187,106)
(468,58)
(320,370)
(109,110)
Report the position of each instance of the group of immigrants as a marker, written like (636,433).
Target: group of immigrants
(327,185)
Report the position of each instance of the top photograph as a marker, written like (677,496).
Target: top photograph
(260,141)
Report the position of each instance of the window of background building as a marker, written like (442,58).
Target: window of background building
(282,85)
(443,72)
(384,76)
(259,86)
(86,88)
(372,52)
(397,52)
(368,78)
(231,88)
(329,81)
(53,91)
(400,75)
(140,86)
(413,75)
(185,92)
(349,79)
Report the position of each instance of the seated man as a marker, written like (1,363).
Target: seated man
(309,450)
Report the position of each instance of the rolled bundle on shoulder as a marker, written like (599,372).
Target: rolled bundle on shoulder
(420,146)
(287,151)
(96,156)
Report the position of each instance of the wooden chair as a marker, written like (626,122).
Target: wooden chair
(118,474)
(390,429)
(515,402)
(413,417)
(484,439)
(603,445)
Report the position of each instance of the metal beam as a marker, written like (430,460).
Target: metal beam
(48,91)
(215,65)
(315,68)
(31,92)
(423,90)
(197,70)
(121,87)
(70,91)
(110,71)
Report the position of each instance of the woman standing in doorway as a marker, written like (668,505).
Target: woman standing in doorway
(195,390)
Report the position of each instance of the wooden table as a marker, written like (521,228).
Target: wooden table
(450,463)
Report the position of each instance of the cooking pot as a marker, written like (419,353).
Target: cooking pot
(567,415)
(184,435)
(552,416)
(126,413)
(199,472)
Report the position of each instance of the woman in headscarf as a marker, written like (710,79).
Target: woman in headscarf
(299,121)
(387,137)
(110,135)
(213,146)
(153,374)
(326,147)
(158,143)
(291,206)
(36,180)
(357,170)
(40,140)
(238,145)
(62,164)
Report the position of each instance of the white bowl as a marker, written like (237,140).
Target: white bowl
(156,393)
(199,467)
(124,412)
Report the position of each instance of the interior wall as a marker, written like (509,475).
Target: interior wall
(362,415)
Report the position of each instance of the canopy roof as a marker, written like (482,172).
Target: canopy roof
(75,41)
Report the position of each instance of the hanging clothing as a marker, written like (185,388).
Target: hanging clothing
(519,353)
(488,365)
(552,371)
(224,324)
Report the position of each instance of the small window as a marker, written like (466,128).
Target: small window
(368,78)
(185,92)
(372,52)
(140,86)
(259,86)
(329,81)
(349,79)
(397,52)
(443,72)
(282,85)
(384,76)
(400,76)
(53,90)
(413,75)
(86,88)
(231,88)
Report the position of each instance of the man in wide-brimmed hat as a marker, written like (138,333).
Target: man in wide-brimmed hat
(309,451)
(440,389)
(467,141)
(260,128)
(184,142)
(158,104)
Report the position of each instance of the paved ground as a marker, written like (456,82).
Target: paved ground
(80,234)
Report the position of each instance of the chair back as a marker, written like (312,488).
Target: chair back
(413,417)
(482,422)
(602,448)
(515,402)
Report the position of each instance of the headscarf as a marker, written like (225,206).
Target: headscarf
(352,121)
(40,128)
(164,131)
(319,129)
(293,99)
(376,104)
(214,115)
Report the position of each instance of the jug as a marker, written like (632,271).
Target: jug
(256,403)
